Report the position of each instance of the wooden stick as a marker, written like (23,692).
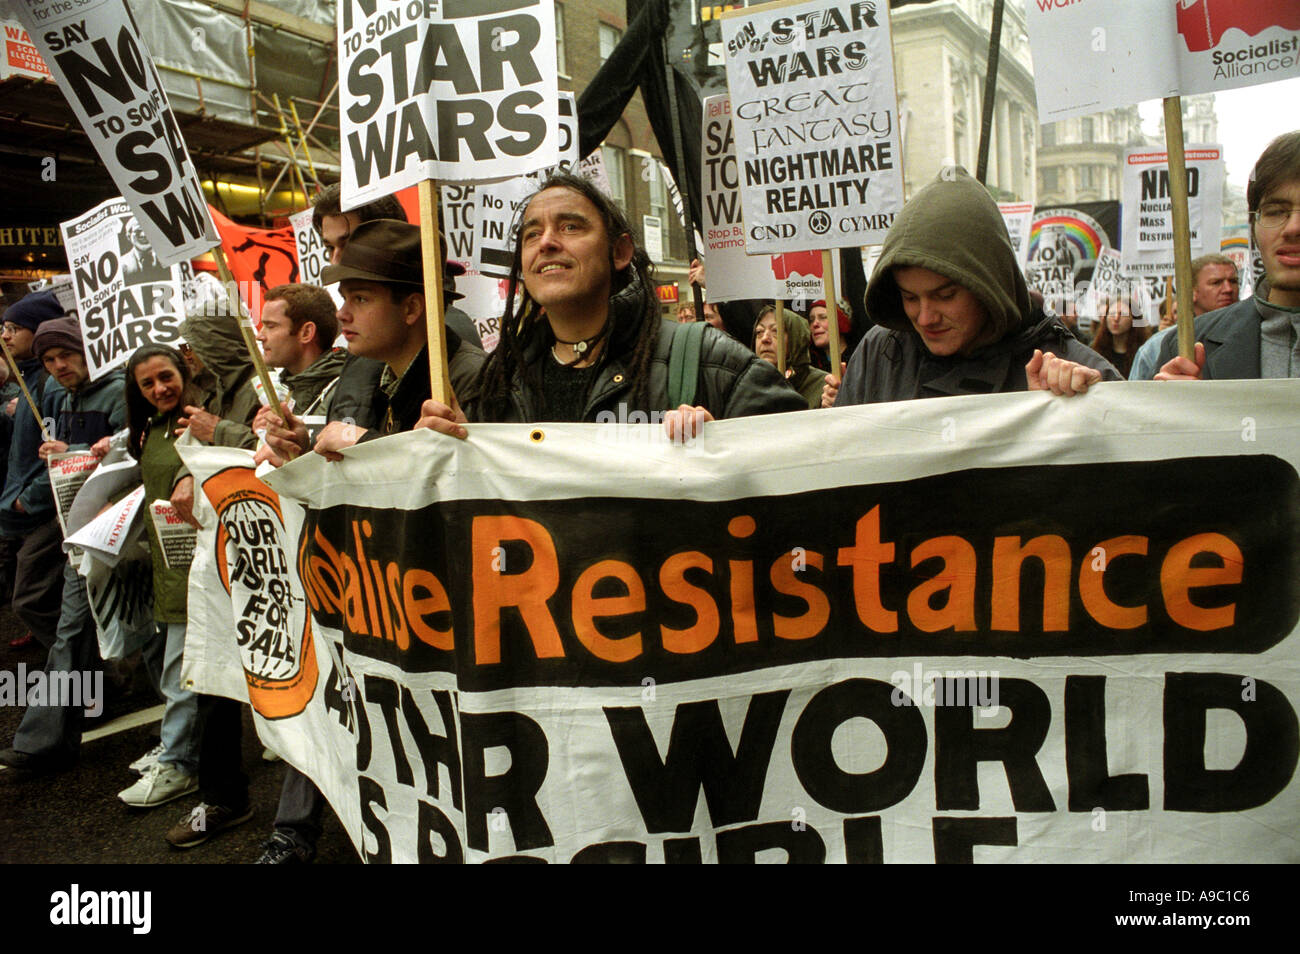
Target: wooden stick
(246,329)
(832,310)
(1182,228)
(779,307)
(1169,296)
(439,376)
(13,369)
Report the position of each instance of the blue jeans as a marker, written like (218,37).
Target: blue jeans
(180,730)
(55,730)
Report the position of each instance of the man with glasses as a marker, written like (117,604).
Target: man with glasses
(140,264)
(1258,337)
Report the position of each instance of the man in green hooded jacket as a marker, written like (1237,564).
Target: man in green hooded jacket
(952,313)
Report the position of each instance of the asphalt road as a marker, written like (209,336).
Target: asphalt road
(75,817)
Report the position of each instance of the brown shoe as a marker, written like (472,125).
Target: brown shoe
(204,822)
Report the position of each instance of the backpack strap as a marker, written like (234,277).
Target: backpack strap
(684,364)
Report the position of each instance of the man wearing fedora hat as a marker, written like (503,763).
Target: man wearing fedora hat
(380,271)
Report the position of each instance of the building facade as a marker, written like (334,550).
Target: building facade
(940,65)
(1080,159)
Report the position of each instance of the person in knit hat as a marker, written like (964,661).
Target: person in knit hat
(49,737)
(27,516)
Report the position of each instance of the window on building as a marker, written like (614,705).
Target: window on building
(1049,135)
(1086,133)
(658,190)
(614,168)
(561,61)
(1087,177)
(609,37)
(1050,180)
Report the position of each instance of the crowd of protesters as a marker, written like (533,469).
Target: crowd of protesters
(950,314)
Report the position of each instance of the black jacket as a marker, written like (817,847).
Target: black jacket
(358,399)
(732,381)
(1231,337)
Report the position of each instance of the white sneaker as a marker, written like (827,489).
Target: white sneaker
(161,782)
(144,761)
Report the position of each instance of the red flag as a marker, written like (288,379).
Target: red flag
(267,257)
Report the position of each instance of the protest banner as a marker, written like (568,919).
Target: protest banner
(1111,289)
(812,94)
(68,474)
(497,208)
(1148,243)
(96,55)
(1018,217)
(554,666)
(312,254)
(452,92)
(21,58)
(483,296)
(1090,57)
(732,274)
(125,296)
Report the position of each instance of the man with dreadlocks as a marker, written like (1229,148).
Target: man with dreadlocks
(583,336)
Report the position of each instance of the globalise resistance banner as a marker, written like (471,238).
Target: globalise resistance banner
(903,636)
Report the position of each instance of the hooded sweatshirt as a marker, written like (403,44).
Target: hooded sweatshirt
(800,374)
(218,342)
(953,227)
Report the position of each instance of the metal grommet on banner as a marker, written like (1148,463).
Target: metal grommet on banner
(618,379)
(537,436)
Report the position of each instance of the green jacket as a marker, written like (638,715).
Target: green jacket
(160,469)
(953,227)
(307,385)
(800,374)
(218,342)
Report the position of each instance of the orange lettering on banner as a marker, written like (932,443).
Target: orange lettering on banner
(587,608)
(495,589)
(417,608)
(1178,576)
(744,621)
(1008,561)
(672,580)
(957,577)
(866,556)
(1092,589)
(786,581)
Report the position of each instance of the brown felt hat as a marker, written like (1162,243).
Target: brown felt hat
(381,250)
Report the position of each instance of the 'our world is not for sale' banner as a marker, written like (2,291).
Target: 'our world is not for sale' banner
(816,136)
(458,90)
(921,646)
